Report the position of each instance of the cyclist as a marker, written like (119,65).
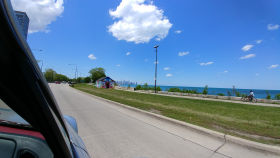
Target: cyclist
(251,95)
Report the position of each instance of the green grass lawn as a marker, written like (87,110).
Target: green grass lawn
(256,123)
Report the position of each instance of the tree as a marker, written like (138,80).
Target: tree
(60,77)
(205,90)
(50,75)
(79,80)
(87,79)
(268,96)
(97,73)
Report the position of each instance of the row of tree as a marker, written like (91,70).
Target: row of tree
(95,74)
(52,76)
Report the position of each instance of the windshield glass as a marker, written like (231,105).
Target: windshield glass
(8,116)
(209,66)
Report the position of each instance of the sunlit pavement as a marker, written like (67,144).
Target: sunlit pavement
(112,131)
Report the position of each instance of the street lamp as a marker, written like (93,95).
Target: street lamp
(40,60)
(156,69)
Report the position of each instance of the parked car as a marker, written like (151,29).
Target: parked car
(31,123)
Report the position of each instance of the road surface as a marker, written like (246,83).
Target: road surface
(111,131)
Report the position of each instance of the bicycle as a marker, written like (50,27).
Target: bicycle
(249,99)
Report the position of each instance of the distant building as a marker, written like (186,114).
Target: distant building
(23,22)
(105,82)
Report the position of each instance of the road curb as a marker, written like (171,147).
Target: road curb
(254,145)
(202,130)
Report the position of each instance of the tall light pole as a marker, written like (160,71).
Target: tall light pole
(156,69)
(38,61)
(41,52)
(76,70)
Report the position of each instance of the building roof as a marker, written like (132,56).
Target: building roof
(103,78)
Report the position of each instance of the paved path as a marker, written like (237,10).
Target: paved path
(212,99)
(111,131)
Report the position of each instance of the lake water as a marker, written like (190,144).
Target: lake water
(214,91)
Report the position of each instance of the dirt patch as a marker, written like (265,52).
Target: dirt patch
(155,111)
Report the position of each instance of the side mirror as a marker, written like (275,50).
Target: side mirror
(72,121)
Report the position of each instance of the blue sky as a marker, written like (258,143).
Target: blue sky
(218,43)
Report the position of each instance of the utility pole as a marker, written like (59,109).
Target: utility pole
(76,73)
(76,70)
(156,69)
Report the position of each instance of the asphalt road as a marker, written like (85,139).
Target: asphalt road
(110,131)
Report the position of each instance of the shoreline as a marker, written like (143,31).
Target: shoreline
(259,93)
(233,99)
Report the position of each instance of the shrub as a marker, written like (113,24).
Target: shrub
(277,96)
(237,94)
(158,89)
(229,93)
(268,96)
(146,87)
(190,91)
(205,90)
(175,89)
(221,94)
(243,95)
(138,87)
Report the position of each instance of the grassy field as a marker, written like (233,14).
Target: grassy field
(256,123)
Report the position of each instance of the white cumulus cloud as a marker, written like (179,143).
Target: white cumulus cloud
(41,13)
(91,57)
(226,71)
(166,68)
(273,66)
(178,31)
(138,21)
(183,53)
(207,63)
(118,65)
(128,53)
(272,27)
(168,75)
(247,47)
(248,56)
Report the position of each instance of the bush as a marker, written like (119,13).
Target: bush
(138,87)
(205,90)
(237,94)
(175,89)
(221,94)
(268,96)
(277,96)
(229,93)
(158,89)
(146,87)
(190,91)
